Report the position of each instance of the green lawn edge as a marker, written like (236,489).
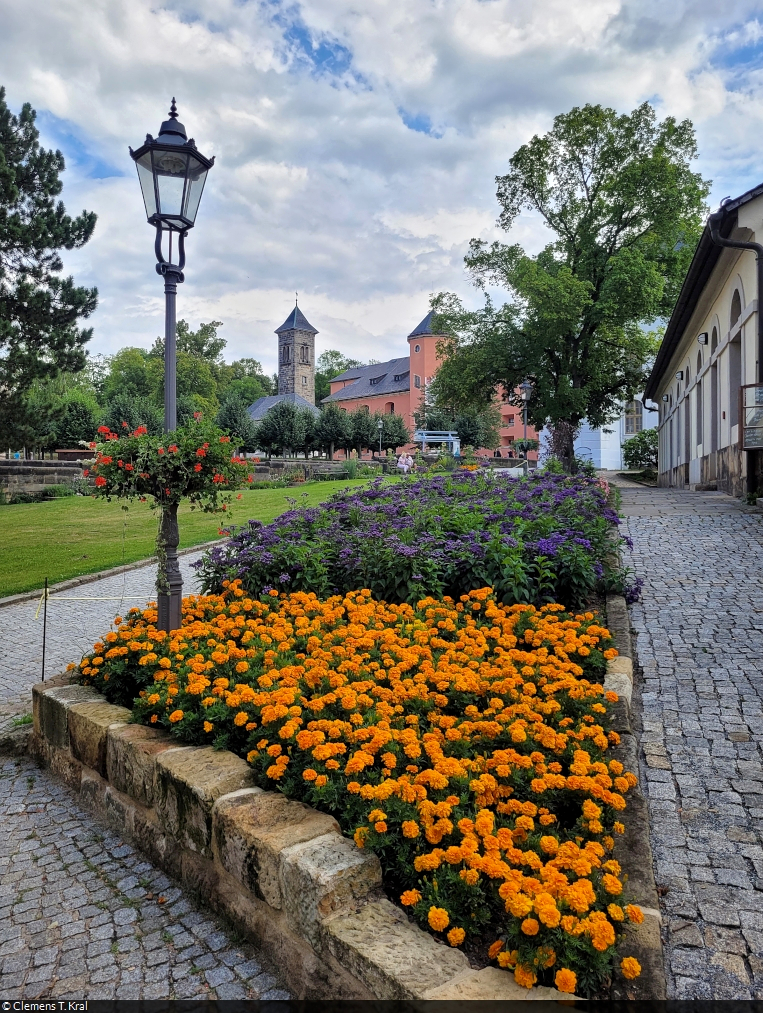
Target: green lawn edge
(79,535)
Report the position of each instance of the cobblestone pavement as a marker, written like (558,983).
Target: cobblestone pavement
(84,916)
(699,640)
(72,628)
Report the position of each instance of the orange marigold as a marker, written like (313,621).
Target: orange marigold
(456,936)
(525,976)
(176,716)
(565,980)
(410,897)
(630,967)
(438,919)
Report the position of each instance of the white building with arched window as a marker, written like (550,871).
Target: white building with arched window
(709,352)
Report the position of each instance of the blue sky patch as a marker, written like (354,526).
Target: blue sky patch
(419,122)
(62,134)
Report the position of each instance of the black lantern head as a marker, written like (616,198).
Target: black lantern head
(172,174)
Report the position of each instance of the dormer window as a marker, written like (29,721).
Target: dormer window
(376,379)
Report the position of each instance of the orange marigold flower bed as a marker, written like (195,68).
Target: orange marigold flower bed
(466,743)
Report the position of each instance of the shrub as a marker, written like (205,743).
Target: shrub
(534,540)
(640,451)
(465,743)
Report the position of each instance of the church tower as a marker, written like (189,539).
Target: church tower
(296,356)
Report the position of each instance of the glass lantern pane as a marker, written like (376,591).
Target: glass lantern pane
(146,180)
(197,175)
(170,169)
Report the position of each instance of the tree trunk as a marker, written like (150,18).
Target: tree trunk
(331,451)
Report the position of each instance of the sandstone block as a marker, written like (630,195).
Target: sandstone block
(491,983)
(188,783)
(131,760)
(252,829)
(50,705)
(619,683)
(88,727)
(620,666)
(324,876)
(391,957)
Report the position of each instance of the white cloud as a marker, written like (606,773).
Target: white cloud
(319,185)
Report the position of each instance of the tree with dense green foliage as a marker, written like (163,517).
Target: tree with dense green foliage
(127,412)
(234,418)
(330,364)
(332,430)
(626,212)
(39,311)
(640,451)
(282,428)
(395,432)
(77,422)
(363,432)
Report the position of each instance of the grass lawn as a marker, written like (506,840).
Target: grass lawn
(68,537)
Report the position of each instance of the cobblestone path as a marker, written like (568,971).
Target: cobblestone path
(82,914)
(700,647)
(73,626)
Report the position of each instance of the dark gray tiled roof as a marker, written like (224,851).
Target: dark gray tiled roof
(263,404)
(296,321)
(425,327)
(374,380)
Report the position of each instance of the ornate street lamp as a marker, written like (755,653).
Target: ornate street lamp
(526,389)
(172,174)
(380,427)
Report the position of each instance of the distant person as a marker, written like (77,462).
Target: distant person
(404,463)
(497,453)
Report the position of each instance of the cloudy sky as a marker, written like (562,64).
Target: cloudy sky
(356,141)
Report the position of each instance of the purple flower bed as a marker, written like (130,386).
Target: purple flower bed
(536,540)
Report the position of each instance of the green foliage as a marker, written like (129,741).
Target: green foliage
(125,412)
(626,212)
(284,428)
(332,430)
(640,451)
(133,372)
(39,310)
(234,418)
(395,432)
(476,427)
(330,364)
(364,433)
(194,461)
(77,421)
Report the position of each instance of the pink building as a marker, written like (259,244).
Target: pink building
(399,385)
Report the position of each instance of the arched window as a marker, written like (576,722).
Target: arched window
(736,308)
(714,340)
(699,362)
(389,408)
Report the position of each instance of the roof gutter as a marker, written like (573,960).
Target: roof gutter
(714,222)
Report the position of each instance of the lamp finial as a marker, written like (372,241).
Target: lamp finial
(173,110)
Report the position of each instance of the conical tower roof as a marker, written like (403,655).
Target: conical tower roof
(296,321)
(425,327)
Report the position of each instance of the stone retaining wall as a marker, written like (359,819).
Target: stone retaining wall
(277,869)
(34,476)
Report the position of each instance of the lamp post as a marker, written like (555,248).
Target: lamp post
(172,174)
(526,388)
(380,427)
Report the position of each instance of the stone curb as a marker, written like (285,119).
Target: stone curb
(280,871)
(634,849)
(89,578)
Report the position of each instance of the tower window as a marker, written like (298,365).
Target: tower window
(416,380)
(286,353)
(304,353)
(304,381)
